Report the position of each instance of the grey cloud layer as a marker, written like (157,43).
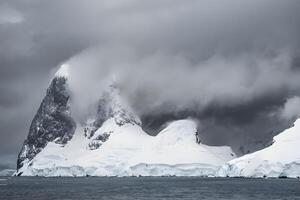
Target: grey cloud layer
(238,100)
(178,49)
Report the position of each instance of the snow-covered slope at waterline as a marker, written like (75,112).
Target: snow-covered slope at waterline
(130,151)
(281,159)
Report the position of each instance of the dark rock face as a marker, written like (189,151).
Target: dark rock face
(109,106)
(99,140)
(52,123)
(104,112)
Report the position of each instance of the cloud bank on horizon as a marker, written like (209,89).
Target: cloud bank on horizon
(234,65)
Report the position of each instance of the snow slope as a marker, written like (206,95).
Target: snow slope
(281,159)
(130,151)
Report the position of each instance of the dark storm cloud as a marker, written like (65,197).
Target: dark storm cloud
(238,100)
(255,43)
(27,56)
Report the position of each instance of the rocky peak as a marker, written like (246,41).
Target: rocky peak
(52,122)
(110,106)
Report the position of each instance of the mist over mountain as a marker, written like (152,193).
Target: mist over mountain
(239,101)
(110,139)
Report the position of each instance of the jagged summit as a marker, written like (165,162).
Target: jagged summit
(52,122)
(110,106)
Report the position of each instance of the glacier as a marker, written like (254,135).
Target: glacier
(113,143)
(130,151)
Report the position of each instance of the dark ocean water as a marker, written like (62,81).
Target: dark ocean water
(85,188)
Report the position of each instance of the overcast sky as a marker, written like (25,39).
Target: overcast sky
(235,63)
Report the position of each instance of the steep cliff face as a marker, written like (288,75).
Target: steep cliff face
(52,123)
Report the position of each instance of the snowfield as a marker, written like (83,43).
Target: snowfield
(281,159)
(130,151)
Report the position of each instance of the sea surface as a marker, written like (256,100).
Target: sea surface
(127,188)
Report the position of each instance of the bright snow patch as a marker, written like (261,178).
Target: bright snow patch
(282,158)
(63,71)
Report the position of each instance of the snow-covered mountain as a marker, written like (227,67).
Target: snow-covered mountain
(110,143)
(113,143)
(130,151)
